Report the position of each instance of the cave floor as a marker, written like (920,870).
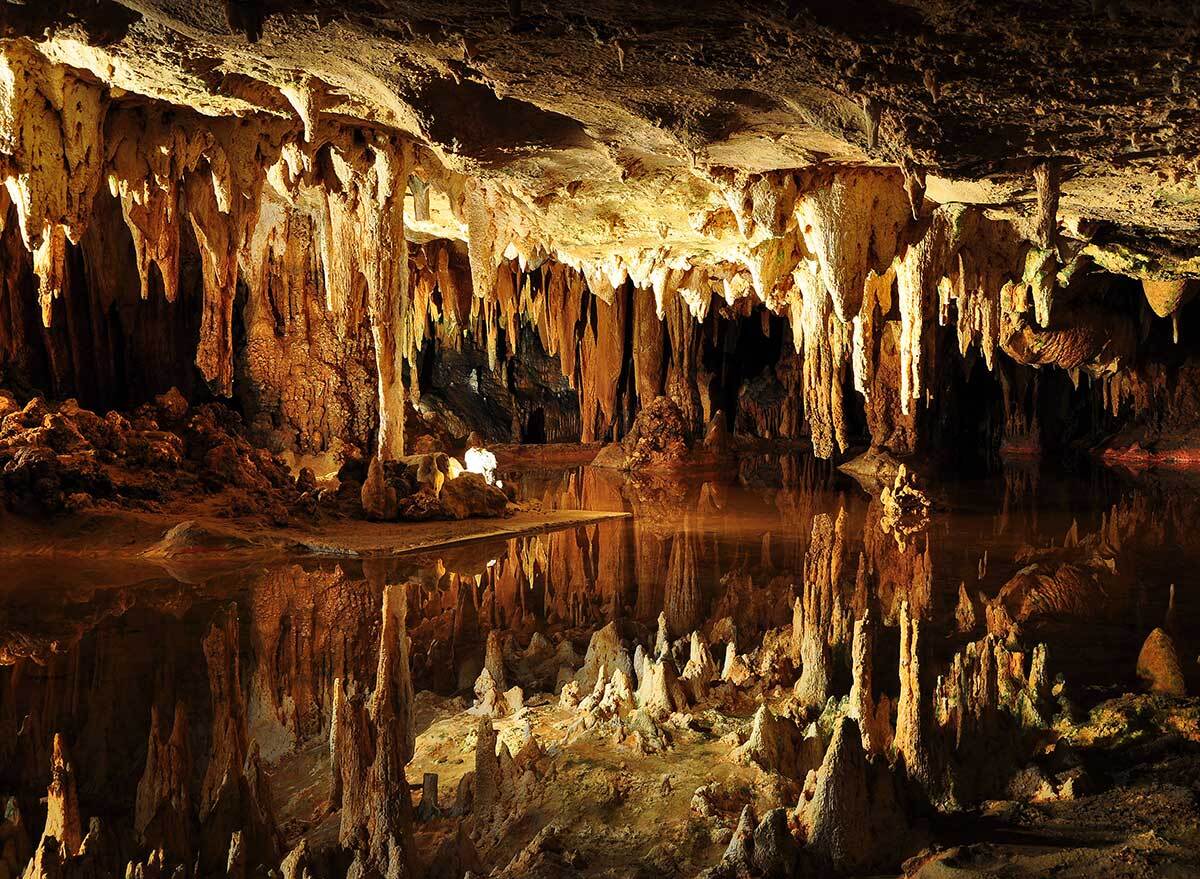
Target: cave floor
(128,535)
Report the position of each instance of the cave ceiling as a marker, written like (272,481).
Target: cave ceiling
(621,126)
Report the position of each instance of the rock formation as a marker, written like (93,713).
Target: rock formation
(778,744)
(233,794)
(371,741)
(1158,665)
(855,822)
(163,812)
(63,821)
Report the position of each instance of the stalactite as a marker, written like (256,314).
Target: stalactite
(148,157)
(684,335)
(371,741)
(482,237)
(601,360)
(682,592)
(364,236)
(827,345)
(823,243)
(917,272)
(818,621)
(648,348)
(163,810)
(853,225)
(51,128)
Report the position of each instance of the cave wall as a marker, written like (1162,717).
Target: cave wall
(276,258)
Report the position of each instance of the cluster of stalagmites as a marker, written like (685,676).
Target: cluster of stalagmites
(230,831)
(311,219)
(862,767)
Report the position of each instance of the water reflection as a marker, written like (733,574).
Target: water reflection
(222,679)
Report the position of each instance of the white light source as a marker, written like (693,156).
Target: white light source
(481,461)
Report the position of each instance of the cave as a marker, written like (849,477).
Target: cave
(724,440)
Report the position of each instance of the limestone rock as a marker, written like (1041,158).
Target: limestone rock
(379,501)
(1165,297)
(63,821)
(855,822)
(470,495)
(659,692)
(965,614)
(371,741)
(873,712)
(605,651)
(15,845)
(700,669)
(428,808)
(768,849)
(163,810)
(912,718)
(778,744)
(735,670)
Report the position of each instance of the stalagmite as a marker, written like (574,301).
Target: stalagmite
(1158,665)
(15,845)
(778,744)
(493,696)
(965,614)
(605,651)
(428,808)
(855,821)
(700,669)
(378,498)
(659,692)
(63,821)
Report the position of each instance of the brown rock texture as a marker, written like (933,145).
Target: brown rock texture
(855,821)
(371,741)
(1158,665)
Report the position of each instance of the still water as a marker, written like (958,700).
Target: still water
(1086,562)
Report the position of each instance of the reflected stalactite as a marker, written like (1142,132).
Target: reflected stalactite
(681,592)
(819,621)
(163,811)
(233,794)
(371,741)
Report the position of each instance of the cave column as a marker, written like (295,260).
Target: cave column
(388,292)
